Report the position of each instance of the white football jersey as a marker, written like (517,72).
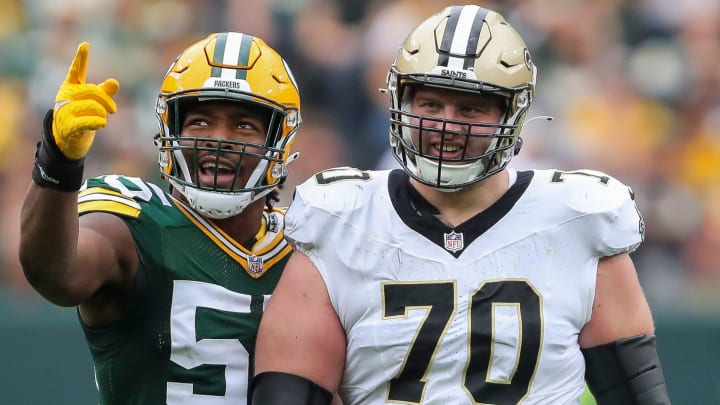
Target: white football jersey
(487,312)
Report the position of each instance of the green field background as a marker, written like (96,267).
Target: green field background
(45,359)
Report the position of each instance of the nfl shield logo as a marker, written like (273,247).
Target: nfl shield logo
(454,241)
(255,264)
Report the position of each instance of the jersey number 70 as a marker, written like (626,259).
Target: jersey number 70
(439,299)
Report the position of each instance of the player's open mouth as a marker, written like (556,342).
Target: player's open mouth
(212,173)
(447,152)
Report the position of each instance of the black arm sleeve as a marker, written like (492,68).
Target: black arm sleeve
(275,388)
(626,371)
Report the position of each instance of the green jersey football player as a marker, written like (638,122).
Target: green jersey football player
(169,285)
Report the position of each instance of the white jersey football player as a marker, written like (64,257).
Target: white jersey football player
(459,280)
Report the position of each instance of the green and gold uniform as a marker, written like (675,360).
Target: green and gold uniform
(188,335)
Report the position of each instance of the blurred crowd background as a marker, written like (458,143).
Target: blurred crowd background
(633,85)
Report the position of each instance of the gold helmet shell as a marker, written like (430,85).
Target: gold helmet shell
(468,49)
(241,68)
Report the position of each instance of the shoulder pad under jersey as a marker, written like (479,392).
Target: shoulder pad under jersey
(119,195)
(607,204)
(586,190)
(328,199)
(340,188)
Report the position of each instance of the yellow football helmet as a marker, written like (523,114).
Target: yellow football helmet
(244,69)
(467,49)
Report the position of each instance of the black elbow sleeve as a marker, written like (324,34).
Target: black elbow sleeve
(626,371)
(275,388)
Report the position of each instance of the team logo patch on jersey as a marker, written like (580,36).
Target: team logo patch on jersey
(255,264)
(454,242)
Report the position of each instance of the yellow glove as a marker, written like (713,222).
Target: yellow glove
(81,108)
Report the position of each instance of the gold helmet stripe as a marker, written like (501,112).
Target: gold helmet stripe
(459,45)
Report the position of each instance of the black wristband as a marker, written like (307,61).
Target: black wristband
(52,169)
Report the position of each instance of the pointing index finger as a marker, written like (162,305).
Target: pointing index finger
(78,68)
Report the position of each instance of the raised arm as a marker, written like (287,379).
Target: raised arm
(622,364)
(300,350)
(67,260)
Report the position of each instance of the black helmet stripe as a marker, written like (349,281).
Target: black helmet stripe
(458,47)
(232,49)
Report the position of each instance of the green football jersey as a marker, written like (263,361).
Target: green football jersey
(188,336)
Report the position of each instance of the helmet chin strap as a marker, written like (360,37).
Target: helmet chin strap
(218,205)
(450,175)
